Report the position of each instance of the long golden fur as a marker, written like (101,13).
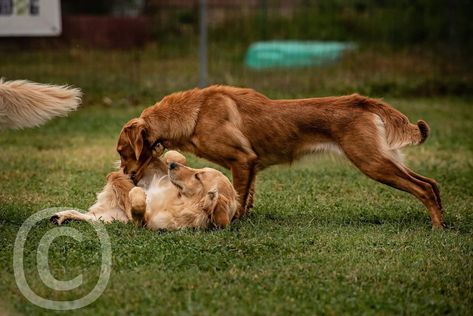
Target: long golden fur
(246,132)
(28,104)
(167,198)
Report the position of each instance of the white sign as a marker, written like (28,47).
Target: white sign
(30,17)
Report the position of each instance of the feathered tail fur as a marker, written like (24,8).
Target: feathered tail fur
(399,131)
(28,104)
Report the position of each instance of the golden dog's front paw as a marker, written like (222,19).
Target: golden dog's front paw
(138,200)
(174,156)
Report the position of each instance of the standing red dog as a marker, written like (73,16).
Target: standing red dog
(246,132)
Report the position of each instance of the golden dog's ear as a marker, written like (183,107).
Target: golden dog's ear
(135,132)
(217,206)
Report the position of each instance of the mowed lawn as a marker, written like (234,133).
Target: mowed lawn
(322,238)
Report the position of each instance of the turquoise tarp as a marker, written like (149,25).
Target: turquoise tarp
(261,55)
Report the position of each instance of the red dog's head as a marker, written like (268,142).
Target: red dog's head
(134,148)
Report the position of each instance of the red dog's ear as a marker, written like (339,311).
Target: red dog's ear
(216,205)
(135,131)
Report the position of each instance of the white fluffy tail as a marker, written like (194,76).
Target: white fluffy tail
(28,104)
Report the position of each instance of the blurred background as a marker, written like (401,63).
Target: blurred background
(125,52)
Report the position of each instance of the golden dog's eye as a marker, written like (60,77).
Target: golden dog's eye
(197,176)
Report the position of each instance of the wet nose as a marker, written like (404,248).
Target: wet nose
(172,166)
(133,175)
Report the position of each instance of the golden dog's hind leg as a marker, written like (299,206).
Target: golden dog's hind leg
(64,216)
(137,205)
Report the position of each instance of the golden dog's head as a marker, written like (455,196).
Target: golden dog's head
(135,150)
(210,188)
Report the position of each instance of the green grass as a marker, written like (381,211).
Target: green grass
(322,238)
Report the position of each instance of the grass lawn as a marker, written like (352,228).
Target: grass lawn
(322,238)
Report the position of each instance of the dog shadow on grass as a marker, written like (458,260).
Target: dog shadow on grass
(263,218)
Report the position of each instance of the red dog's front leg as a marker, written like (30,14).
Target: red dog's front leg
(243,177)
(251,194)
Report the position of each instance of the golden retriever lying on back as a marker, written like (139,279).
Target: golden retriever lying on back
(169,196)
